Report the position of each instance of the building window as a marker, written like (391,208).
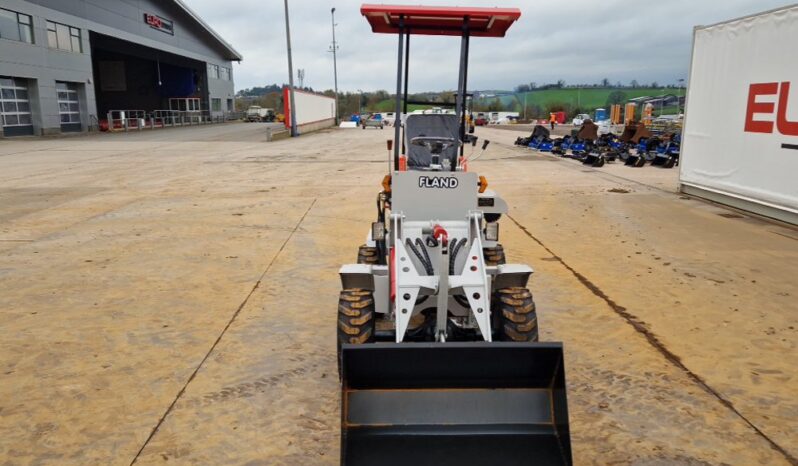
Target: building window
(14,103)
(213,71)
(63,37)
(15,26)
(68,104)
(230,107)
(216,105)
(226,72)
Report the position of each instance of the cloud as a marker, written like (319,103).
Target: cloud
(579,41)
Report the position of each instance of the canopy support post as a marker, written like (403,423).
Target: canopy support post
(407,79)
(398,115)
(463,85)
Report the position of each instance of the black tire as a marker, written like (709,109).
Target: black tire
(355,318)
(515,315)
(367,255)
(599,162)
(494,256)
(669,163)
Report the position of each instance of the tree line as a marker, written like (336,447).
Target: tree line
(605,83)
(271,96)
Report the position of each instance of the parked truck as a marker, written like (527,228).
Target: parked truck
(256,113)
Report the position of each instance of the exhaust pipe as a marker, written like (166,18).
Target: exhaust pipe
(464,404)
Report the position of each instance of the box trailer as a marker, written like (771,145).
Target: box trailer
(740,139)
(313,111)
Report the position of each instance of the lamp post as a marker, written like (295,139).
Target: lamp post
(360,102)
(333,49)
(294,132)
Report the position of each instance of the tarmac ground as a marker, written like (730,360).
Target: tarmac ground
(170,297)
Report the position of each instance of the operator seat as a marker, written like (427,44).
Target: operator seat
(444,125)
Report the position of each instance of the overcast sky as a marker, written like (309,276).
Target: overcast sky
(580,41)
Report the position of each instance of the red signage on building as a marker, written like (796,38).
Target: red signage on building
(161,24)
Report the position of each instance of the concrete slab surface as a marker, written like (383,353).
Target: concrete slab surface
(169,297)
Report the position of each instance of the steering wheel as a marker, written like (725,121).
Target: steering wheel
(436,145)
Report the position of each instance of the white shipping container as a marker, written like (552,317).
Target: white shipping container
(740,139)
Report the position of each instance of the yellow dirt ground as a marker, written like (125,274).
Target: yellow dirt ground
(169,297)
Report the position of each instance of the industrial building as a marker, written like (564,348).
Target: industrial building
(65,64)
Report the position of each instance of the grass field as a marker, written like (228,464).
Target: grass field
(389,105)
(578,100)
(573,100)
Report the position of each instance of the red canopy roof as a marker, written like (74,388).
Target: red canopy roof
(440,20)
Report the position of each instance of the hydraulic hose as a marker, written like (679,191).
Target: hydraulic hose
(454,251)
(381,251)
(452,246)
(427,267)
(424,250)
(462,300)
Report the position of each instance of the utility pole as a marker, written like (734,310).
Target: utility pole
(294,132)
(526,94)
(679,101)
(334,49)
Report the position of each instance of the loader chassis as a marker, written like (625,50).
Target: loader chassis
(460,281)
(437,334)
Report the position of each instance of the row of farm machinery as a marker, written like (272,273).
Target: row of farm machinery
(635,147)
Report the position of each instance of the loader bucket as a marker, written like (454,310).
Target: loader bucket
(463,404)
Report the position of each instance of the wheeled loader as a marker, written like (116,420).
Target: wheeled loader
(603,151)
(642,143)
(438,347)
(539,135)
(622,147)
(667,152)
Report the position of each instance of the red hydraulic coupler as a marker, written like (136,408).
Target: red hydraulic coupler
(439,233)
